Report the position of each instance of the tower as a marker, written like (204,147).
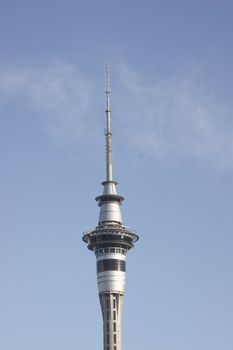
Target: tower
(110,240)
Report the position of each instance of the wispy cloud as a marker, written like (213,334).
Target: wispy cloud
(176,118)
(57,93)
(172,118)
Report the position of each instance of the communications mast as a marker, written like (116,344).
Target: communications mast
(110,240)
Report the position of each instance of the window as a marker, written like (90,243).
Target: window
(111,264)
(115,340)
(114,315)
(114,326)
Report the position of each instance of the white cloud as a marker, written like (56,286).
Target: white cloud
(58,94)
(177,118)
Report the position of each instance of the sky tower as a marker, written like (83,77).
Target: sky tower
(110,240)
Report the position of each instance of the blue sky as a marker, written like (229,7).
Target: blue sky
(171,80)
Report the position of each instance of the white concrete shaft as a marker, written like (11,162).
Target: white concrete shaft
(118,256)
(110,212)
(110,187)
(111,305)
(111,281)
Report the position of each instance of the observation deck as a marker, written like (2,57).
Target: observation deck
(110,235)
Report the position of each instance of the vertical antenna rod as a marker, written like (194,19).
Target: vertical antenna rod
(108,131)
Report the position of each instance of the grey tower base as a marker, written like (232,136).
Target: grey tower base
(111,305)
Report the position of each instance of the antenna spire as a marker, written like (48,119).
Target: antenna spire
(108,131)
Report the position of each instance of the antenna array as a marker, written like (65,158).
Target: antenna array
(108,131)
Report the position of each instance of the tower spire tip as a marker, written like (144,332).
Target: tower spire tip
(107,78)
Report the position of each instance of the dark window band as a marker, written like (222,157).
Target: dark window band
(110,264)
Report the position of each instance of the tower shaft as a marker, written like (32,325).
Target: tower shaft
(111,305)
(110,240)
